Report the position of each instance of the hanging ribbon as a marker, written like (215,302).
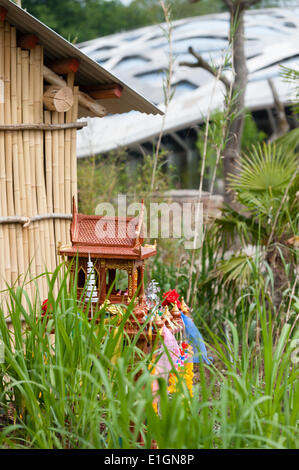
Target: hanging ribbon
(196,340)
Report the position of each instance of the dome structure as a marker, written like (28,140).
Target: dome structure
(141,56)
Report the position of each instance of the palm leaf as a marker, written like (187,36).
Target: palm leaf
(233,223)
(235,271)
(267,169)
(290,140)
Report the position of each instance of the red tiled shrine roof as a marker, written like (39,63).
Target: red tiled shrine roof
(107,237)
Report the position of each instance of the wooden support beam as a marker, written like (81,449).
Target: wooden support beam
(27,41)
(91,105)
(3,13)
(84,100)
(52,78)
(58,99)
(42,127)
(63,66)
(103,92)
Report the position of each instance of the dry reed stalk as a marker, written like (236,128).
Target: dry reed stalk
(4,234)
(49,187)
(8,154)
(27,160)
(15,153)
(74,147)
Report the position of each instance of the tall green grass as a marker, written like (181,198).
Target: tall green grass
(91,388)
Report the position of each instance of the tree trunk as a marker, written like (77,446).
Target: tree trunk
(232,149)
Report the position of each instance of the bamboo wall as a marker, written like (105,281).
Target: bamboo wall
(37,167)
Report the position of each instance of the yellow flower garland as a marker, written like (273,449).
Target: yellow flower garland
(187,374)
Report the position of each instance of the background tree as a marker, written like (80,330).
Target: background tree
(83,20)
(235,87)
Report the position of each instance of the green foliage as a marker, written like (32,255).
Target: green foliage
(251,135)
(102,178)
(266,173)
(78,392)
(81,21)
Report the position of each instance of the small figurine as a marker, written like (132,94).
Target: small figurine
(175,312)
(152,298)
(158,321)
(184,307)
(168,318)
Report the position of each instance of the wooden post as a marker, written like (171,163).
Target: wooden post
(141,282)
(102,281)
(130,282)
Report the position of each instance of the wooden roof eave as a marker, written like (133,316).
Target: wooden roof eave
(90,72)
(94,253)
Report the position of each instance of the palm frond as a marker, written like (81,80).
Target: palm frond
(235,271)
(268,168)
(289,140)
(232,224)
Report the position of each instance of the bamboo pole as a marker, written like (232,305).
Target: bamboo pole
(74,148)
(68,150)
(15,153)
(8,152)
(49,188)
(2,242)
(40,51)
(4,235)
(43,254)
(38,234)
(21,162)
(61,178)
(27,159)
(55,168)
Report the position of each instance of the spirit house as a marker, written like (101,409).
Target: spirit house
(114,246)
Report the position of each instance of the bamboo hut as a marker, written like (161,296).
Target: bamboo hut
(46,84)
